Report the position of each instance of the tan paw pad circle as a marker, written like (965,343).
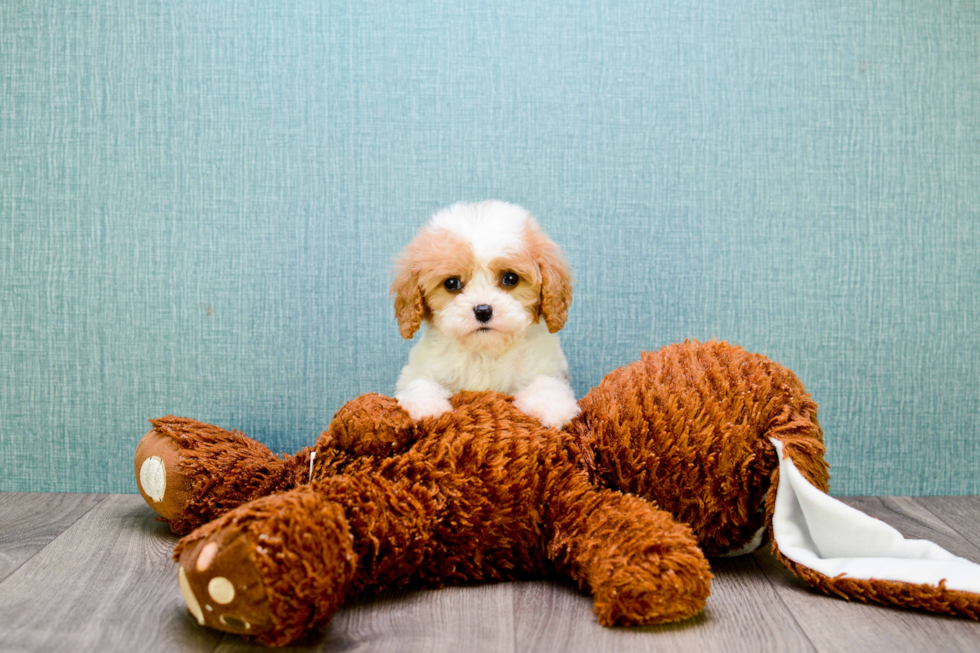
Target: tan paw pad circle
(221,590)
(206,556)
(153,478)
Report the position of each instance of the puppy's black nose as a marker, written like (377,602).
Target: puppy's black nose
(483,312)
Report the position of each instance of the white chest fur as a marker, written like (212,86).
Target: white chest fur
(441,359)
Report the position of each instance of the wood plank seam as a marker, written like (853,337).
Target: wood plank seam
(944,519)
(11,572)
(777,596)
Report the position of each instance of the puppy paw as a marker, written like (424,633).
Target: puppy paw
(549,400)
(423,398)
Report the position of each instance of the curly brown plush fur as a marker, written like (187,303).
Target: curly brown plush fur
(883,592)
(687,427)
(483,494)
(670,455)
(220,470)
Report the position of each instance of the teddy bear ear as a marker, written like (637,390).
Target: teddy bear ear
(409,300)
(844,552)
(556,279)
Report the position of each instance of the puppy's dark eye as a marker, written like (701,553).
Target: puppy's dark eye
(509,279)
(453,284)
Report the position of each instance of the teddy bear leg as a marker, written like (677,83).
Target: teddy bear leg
(279,566)
(274,568)
(190,472)
(641,566)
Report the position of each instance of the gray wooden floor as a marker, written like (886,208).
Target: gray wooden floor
(82,572)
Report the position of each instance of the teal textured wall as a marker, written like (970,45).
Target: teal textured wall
(200,202)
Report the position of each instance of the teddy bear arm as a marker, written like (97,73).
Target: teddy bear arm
(191,472)
(641,566)
(370,425)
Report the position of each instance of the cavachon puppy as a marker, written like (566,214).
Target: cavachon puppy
(492,290)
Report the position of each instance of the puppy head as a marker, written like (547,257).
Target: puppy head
(481,273)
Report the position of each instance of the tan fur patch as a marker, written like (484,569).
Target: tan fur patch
(528,289)
(556,278)
(423,266)
(441,256)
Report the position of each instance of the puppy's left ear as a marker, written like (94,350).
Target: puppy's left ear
(556,279)
(409,301)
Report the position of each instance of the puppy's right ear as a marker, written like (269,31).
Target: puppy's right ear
(409,300)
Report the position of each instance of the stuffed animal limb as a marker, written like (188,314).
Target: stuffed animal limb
(190,472)
(641,566)
(272,568)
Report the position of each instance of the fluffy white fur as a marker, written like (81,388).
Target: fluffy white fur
(516,352)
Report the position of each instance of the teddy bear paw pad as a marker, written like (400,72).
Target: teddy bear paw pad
(158,475)
(153,478)
(222,587)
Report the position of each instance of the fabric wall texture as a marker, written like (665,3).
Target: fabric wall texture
(200,201)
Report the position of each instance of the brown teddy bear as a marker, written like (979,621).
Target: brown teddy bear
(674,457)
